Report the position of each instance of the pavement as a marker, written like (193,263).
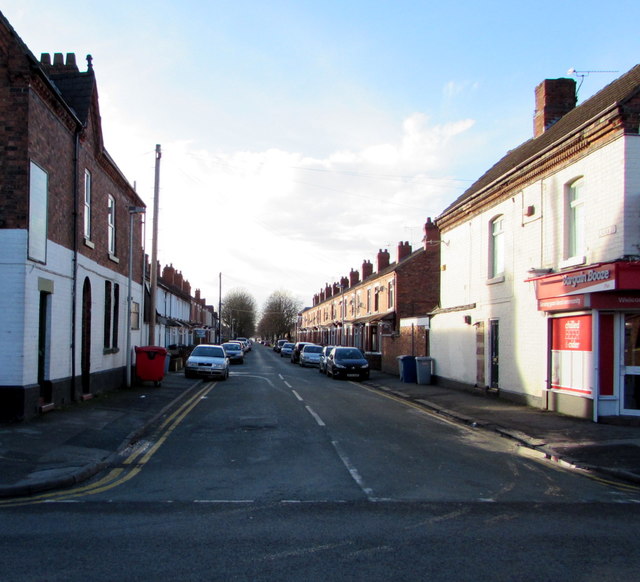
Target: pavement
(69,445)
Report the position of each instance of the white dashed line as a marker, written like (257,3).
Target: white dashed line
(297,396)
(315,415)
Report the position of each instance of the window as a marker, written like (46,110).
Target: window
(368,300)
(391,297)
(135,315)
(111,225)
(87,204)
(111,315)
(496,248)
(376,300)
(38,202)
(575,222)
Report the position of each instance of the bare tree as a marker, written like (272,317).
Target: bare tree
(239,313)
(279,315)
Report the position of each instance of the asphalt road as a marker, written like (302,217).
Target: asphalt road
(280,473)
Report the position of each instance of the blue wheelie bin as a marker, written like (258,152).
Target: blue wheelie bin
(407,365)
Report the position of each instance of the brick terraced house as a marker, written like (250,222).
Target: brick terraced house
(384,313)
(64,237)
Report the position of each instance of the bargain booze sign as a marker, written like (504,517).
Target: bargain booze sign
(572,289)
(572,354)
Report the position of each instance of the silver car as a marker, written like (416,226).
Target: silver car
(322,365)
(207,360)
(286,350)
(310,356)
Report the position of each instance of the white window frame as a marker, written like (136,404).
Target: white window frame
(87,205)
(576,238)
(496,247)
(38,211)
(111,225)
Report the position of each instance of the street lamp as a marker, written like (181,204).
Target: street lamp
(133,210)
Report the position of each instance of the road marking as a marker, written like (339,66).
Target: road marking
(315,415)
(297,396)
(355,475)
(287,384)
(131,466)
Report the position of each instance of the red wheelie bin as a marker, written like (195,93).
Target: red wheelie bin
(150,363)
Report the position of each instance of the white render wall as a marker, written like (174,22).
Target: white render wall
(536,241)
(12,300)
(19,312)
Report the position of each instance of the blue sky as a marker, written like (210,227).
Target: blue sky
(300,137)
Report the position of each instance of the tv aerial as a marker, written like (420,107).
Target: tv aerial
(582,74)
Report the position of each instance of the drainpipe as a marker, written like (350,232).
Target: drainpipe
(74,286)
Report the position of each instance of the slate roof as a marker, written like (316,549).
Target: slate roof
(77,90)
(617,92)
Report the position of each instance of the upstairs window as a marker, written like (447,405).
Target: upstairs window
(87,204)
(111,225)
(575,219)
(496,247)
(38,204)
(391,295)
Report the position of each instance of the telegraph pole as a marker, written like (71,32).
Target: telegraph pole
(220,310)
(154,251)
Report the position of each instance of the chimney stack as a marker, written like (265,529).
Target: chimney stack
(383,259)
(354,278)
(554,99)
(367,269)
(404,250)
(431,235)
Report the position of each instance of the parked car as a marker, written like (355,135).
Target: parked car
(324,354)
(207,360)
(310,355)
(246,341)
(235,353)
(286,350)
(347,363)
(297,348)
(278,345)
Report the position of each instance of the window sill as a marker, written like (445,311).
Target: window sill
(89,243)
(573,262)
(114,258)
(495,280)
(110,350)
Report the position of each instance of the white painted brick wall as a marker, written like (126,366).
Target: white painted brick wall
(612,208)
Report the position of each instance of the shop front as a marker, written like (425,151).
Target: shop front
(593,339)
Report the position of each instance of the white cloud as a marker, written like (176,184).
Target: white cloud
(280,220)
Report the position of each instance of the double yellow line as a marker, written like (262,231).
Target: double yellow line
(131,466)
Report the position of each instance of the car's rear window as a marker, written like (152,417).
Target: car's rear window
(208,352)
(232,347)
(312,349)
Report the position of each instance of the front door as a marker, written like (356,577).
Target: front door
(630,401)
(494,342)
(85,358)
(44,349)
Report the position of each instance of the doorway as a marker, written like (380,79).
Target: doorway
(85,361)
(630,401)
(44,348)
(494,354)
